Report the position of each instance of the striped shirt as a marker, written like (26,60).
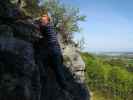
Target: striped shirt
(50,37)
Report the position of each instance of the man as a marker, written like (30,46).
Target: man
(50,41)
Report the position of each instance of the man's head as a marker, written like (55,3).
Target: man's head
(45,19)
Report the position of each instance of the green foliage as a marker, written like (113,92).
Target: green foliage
(120,82)
(64,18)
(108,78)
(31,7)
(118,62)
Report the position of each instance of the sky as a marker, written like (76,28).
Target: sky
(108,25)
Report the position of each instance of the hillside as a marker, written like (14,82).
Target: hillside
(109,77)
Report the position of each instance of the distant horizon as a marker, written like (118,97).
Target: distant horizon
(108,51)
(108,25)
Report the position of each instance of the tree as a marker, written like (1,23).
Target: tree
(29,7)
(64,18)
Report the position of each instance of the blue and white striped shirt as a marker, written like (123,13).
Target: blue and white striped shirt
(50,36)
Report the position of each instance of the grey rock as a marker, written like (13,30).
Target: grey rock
(17,69)
(6,31)
(75,63)
(23,75)
(20,78)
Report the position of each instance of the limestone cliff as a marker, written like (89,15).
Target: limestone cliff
(22,76)
(74,62)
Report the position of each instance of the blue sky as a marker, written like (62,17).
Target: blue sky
(108,26)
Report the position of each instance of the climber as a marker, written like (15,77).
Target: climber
(53,48)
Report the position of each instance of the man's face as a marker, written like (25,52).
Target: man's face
(45,20)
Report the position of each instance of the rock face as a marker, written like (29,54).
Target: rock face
(74,62)
(23,76)
(17,67)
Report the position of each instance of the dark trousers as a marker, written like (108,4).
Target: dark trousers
(55,59)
